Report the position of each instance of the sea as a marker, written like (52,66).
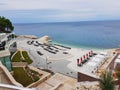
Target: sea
(85,34)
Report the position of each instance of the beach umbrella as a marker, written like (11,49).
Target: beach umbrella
(80,60)
(77,61)
(84,56)
(89,53)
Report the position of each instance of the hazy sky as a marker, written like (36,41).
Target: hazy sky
(59,10)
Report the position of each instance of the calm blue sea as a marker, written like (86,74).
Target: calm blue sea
(94,34)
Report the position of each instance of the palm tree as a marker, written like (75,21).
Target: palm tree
(106,81)
(5,25)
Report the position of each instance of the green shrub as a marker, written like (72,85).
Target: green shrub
(36,78)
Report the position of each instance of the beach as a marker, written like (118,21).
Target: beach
(64,61)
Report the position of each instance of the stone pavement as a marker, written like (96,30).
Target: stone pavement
(19,64)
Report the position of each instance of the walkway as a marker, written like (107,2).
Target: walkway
(58,82)
(19,64)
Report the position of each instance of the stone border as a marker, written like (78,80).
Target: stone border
(43,78)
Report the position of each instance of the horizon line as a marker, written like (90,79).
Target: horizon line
(64,22)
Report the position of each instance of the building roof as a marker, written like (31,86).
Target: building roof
(4,53)
(91,64)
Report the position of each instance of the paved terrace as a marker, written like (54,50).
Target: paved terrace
(58,82)
(4,53)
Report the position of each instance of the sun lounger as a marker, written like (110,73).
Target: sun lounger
(30,42)
(39,53)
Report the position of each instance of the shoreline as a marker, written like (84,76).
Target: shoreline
(68,45)
(82,47)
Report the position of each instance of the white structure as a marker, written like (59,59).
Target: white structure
(117,61)
(44,39)
(104,53)
(91,66)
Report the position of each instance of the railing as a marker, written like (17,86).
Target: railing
(4,38)
(9,43)
(12,87)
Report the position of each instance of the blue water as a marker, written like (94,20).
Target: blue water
(94,34)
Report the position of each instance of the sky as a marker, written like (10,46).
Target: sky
(35,11)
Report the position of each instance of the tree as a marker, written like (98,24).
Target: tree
(5,25)
(106,81)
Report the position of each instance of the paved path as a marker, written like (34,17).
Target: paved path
(19,64)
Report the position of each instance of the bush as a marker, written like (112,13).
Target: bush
(36,78)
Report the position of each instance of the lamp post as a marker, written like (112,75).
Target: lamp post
(46,62)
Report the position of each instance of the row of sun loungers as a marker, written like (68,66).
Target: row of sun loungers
(50,50)
(62,46)
(30,42)
(48,47)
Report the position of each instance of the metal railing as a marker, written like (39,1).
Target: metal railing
(12,87)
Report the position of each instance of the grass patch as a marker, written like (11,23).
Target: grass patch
(27,58)
(21,76)
(17,57)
